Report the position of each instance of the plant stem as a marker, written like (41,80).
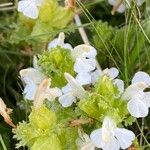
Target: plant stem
(142,133)
(81,30)
(6,4)
(2,142)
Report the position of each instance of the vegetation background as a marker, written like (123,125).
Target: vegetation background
(122,41)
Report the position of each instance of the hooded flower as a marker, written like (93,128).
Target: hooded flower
(85,65)
(110,137)
(71,91)
(32,77)
(45,92)
(59,42)
(139,101)
(29,8)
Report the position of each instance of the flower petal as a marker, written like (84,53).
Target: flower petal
(124,137)
(113,73)
(31,74)
(107,129)
(67,46)
(112,2)
(59,42)
(84,65)
(120,84)
(53,44)
(121,8)
(83,78)
(31,11)
(96,138)
(141,77)
(84,51)
(133,89)
(77,89)
(29,91)
(95,75)
(146,98)
(137,108)
(66,100)
(66,89)
(23,4)
(112,145)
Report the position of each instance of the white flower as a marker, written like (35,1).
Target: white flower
(141,77)
(45,92)
(123,5)
(59,42)
(84,51)
(88,77)
(139,104)
(30,8)
(109,137)
(86,70)
(32,77)
(88,73)
(85,64)
(71,91)
(139,101)
(84,142)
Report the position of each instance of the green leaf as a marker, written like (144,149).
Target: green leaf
(50,142)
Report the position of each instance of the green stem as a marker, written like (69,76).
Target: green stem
(142,133)
(2,142)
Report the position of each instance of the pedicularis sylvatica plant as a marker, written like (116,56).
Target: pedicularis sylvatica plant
(75,103)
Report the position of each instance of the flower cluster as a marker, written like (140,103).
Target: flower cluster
(83,92)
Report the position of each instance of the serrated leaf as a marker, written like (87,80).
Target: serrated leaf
(47,143)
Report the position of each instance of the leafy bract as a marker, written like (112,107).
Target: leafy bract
(55,63)
(41,123)
(105,101)
(44,132)
(47,143)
